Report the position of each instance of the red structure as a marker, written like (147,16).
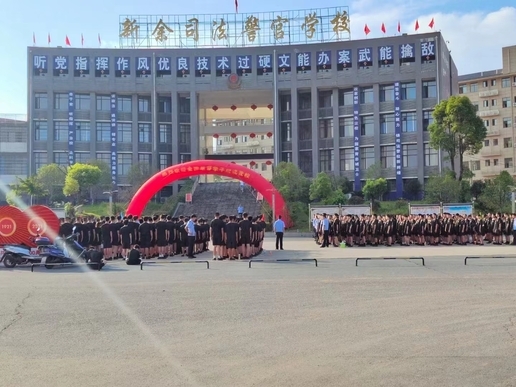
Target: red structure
(208,167)
(17,226)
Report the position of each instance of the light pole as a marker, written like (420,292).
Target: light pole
(110,193)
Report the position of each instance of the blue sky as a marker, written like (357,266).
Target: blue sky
(471,26)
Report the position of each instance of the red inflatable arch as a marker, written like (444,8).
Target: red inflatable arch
(207,167)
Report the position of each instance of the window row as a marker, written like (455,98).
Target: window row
(83,132)
(507,163)
(506,122)
(507,142)
(473,87)
(367,157)
(103,103)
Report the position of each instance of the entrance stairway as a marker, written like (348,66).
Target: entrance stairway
(223,198)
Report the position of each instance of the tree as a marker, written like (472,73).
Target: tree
(412,189)
(497,193)
(442,189)
(105,181)
(290,181)
(456,130)
(86,176)
(375,189)
(374,172)
(52,178)
(138,174)
(320,189)
(341,183)
(30,186)
(477,187)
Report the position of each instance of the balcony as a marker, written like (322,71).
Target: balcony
(493,132)
(488,93)
(325,112)
(491,171)
(488,113)
(491,151)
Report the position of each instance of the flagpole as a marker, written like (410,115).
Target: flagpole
(275,112)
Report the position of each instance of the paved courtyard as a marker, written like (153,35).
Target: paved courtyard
(383,323)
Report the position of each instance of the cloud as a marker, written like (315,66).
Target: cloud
(474,38)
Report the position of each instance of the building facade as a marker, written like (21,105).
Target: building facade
(14,157)
(341,107)
(494,95)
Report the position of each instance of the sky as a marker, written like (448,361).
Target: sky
(476,30)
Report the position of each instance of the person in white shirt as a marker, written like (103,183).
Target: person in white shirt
(279,229)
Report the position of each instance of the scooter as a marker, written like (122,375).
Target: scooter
(18,255)
(73,251)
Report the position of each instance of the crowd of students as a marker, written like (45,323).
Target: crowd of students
(420,230)
(166,236)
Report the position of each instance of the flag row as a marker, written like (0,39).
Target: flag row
(67,40)
(367,30)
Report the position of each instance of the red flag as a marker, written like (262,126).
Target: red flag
(383,28)
(100,41)
(367,30)
(431,25)
(48,39)
(33,38)
(236,6)
(417,25)
(82,40)
(399,26)
(67,41)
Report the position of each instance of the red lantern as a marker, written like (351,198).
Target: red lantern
(270,106)
(252,135)
(215,108)
(233,135)
(252,163)
(253,106)
(269,134)
(233,107)
(268,162)
(215,135)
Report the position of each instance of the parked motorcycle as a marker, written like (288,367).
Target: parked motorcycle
(73,251)
(18,255)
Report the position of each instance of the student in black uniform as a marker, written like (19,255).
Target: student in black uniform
(126,235)
(245,235)
(217,236)
(145,236)
(66,228)
(232,233)
(106,238)
(134,256)
(171,236)
(162,234)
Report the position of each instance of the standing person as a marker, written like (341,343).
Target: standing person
(245,235)
(232,230)
(326,231)
(240,211)
(145,236)
(190,229)
(279,229)
(217,236)
(126,235)
(105,231)
(162,234)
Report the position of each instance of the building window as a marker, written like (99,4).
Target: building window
(506,82)
(475,165)
(40,130)
(429,89)
(495,142)
(285,102)
(40,160)
(486,123)
(124,161)
(184,158)
(387,124)
(346,127)
(41,101)
(408,122)
(326,160)
(144,105)
(409,155)
(386,93)
(367,125)
(304,101)
(305,130)
(494,122)
(493,82)
(346,97)
(60,101)
(507,122)
(165,161)
(495,162)
(144,133)
(286,157)
(82,157)
(428,119)
(463,89)
(387,156)
(474,87)
(165,133)
(346,159)
(82,132)
(485,84)
(366,157)
(408,91)
(61,158)
(82,102)
(104,157)
(124,134)
(507,142)
(184,134)
(144,158)
(431,156)
(506,102)
(485,103)
(326,128)
(184,105)
(103,132)
(487,163)
(325,98)
(164,105)
(493,102)
(286,132)
(61,131)
(103,103)
(366,95)
(486,142)
(507,163)
(305,162)
(124,104)
(13,164)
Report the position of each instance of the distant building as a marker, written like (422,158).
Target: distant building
(14,157)
(494,94)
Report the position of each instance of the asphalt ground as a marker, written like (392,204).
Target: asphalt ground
(383,323)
